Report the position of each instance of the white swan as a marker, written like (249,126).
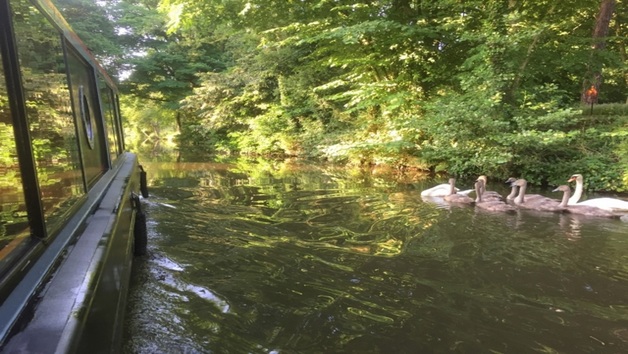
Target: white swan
(610,204)
(454,197)
(540,203)
(582,209)
(442,190)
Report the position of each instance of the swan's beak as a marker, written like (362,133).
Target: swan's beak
(571,179)
(555,190)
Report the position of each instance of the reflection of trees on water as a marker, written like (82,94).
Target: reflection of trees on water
(325,205)
(155,150)
(310,252)
(339,209)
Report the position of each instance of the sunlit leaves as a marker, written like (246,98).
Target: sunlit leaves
(473,86)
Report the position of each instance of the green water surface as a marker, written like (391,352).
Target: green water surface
(301,258)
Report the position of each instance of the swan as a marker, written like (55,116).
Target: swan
(488,195)
(540,203)
(610,204)
(581,209)
(491,205)
(513,191)
(442,190)
(454,197)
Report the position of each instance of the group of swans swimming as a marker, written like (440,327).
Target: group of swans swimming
(493,201)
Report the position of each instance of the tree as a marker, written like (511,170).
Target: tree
(593,77)
(92,21)
(466,87)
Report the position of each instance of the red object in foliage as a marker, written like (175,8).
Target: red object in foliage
(591,95)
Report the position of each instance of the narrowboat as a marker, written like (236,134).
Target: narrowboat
(70,195)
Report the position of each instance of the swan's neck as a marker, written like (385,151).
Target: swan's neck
(565,200)
(452,188)
(478,191)
(513,193)
(522,191)
(577,193)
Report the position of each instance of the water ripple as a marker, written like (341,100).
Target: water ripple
(321,261)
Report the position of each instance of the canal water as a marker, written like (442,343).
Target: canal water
(288,257)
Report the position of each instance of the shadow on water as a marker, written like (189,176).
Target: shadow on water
(271,257)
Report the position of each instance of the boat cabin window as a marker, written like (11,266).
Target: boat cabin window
(49,113)
(116,112)
(113,128)
(14,230)
(91,131)
(86,116)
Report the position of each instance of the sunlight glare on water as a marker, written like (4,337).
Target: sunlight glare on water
(301,258)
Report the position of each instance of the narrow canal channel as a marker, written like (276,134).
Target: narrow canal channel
(295,258)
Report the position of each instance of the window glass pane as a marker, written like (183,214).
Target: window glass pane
(14,229)
(49,111)
(106,96)
(91,132)
(118,119)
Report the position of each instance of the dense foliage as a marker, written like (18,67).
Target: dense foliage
(491,87)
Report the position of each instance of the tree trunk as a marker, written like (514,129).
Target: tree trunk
(593,79)
(602,23)
(178,120)
(519,74)
(622,51)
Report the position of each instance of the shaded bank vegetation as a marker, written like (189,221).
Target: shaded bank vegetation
(467,88)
